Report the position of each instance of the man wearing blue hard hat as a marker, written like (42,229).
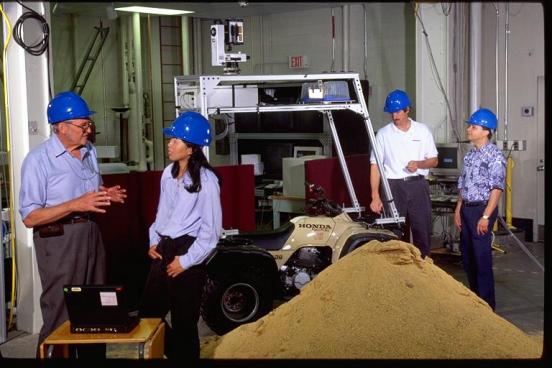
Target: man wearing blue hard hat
(61,190)
(186,230)
(407,153)
(480,185)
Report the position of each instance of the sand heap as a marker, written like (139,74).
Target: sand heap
(381,301)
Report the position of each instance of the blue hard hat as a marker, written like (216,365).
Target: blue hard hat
(66,106)
(396,100)
(190,127)
(484,117)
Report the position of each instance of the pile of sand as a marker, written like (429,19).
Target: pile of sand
(381,301)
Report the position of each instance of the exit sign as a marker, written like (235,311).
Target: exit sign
(298,62)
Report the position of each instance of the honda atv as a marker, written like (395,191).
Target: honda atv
(247,273)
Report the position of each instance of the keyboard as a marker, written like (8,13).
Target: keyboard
(443,198)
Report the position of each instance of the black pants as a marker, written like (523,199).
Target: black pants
(181,295)
(412,201)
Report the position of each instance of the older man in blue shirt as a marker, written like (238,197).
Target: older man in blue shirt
(480,186)
(61,188)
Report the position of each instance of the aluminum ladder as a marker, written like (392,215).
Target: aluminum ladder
(89,59)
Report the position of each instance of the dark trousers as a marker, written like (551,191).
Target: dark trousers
(477,253)
(412,201)
(76,257)
(181,295)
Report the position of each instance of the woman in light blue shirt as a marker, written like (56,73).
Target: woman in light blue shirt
(186,230)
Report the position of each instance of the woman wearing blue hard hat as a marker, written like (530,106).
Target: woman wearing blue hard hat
(480,185)
(186,230)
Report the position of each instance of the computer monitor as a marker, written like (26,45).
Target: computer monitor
(294,174)
(300,151)
(450,160)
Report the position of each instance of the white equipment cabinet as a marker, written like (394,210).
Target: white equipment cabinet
(229,94)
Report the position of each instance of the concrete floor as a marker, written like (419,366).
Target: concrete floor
(519,284)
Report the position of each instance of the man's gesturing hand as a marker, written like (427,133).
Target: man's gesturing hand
(92,202)
(116,193)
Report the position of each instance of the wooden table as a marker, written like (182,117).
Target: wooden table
(149,332)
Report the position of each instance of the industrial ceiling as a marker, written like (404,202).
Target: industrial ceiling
(201,9)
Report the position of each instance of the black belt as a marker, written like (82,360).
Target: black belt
(167,238)
(75,218)
(474,203)
(410,178)
(170,248)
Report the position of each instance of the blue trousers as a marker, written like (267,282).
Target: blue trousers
(477,252)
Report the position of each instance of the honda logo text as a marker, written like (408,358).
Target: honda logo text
(316,227)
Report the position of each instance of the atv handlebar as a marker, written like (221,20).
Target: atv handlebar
(320,205)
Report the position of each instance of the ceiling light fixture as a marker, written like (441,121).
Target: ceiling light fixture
(157,11)
(111,13)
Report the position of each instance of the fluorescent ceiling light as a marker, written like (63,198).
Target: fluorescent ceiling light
(148,10)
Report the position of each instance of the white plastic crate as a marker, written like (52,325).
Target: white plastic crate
(329,91)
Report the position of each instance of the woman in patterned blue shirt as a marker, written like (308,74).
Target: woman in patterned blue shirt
(480,186)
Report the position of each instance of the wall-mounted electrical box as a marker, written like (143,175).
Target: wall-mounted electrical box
(108,151)
(527,111)
(517,145)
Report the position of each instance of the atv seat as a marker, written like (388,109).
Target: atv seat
(271,240)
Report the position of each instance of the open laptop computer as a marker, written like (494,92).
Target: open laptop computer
(99,309)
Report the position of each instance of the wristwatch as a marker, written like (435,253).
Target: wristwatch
(485,217)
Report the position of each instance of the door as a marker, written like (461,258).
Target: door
(539,231)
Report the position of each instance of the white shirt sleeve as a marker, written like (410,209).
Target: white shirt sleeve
(379,143)
(430,150)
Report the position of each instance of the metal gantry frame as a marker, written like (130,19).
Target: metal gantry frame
(198,92)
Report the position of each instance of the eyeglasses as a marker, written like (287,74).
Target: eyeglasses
(84,127)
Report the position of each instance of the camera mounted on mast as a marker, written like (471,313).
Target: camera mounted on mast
(223,37)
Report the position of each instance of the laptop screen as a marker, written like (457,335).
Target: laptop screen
(97,305)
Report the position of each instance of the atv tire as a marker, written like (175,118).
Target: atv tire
(358,240)
(232,300)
